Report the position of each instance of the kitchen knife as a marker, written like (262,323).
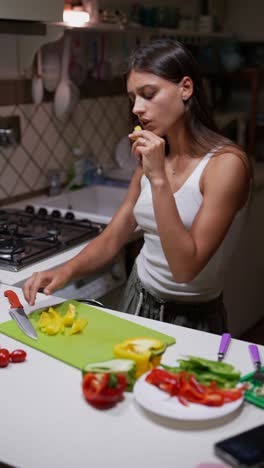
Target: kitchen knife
(224,343)
(18,314)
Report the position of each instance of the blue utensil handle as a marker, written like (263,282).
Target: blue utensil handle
(254,352)
(225,340)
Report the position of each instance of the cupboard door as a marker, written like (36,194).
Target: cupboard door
(32,10)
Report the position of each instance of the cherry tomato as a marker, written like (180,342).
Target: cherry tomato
(4,357)
(18,355)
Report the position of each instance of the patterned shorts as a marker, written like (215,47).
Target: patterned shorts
(205,316)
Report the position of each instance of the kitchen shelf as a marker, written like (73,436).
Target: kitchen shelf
(139,29)
(18,91)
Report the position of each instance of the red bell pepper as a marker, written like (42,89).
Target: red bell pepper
(103,390)
(185,386)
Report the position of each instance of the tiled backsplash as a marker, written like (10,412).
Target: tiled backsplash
(46,143)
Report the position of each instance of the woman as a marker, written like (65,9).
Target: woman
(189,195)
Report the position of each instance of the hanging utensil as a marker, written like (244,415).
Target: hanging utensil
(51,65)
(66,94)
(37,81)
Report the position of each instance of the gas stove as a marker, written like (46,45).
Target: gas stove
(33,234)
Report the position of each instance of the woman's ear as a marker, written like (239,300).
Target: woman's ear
(186,88)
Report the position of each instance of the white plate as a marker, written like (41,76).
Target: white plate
(159,402)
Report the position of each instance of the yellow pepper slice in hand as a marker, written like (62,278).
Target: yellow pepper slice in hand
(146,352)
(137,128)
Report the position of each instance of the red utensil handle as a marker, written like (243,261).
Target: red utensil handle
(13,299)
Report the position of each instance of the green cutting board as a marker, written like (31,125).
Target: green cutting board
(94,343)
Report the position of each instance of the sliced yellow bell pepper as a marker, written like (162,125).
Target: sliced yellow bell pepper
(50,322)
(70,315)
(44,319)
(78,326)
(56,323)
(146,352)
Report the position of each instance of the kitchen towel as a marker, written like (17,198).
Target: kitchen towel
(250,396)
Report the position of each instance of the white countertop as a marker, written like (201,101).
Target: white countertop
(45,421)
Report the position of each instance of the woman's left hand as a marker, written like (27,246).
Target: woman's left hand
(149,149)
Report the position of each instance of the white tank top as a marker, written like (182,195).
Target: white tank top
(152,266)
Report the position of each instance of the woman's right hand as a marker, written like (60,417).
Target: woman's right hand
(50,280)
(149,149)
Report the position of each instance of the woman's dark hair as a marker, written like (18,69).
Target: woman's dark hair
(170,60)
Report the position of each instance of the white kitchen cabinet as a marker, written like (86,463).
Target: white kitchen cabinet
(28,45)
(25,46)
(32,10)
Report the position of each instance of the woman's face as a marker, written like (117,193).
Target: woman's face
(158,103)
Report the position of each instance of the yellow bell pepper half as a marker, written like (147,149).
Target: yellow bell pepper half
(145,352)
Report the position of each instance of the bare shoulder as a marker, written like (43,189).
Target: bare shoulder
(228,172)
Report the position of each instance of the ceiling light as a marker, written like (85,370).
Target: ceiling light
(75,17)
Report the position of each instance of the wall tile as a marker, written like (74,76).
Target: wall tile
(9,179)
(46,143)
(41,119)
(30,139)
(41,155)
(19,159)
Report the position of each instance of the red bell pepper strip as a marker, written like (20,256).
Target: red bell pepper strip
(187,389)
(195,384)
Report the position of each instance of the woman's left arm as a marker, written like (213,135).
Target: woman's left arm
(225,187)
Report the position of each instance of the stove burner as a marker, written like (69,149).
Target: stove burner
(10,248)
(53,234)
(33,234)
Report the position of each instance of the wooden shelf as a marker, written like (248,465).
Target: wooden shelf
(18,91)
(134,28)
(140,29)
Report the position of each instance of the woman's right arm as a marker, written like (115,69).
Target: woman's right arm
(98,253)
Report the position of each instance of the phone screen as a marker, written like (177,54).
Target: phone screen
(244,449)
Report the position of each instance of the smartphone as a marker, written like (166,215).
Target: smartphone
(245,449)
